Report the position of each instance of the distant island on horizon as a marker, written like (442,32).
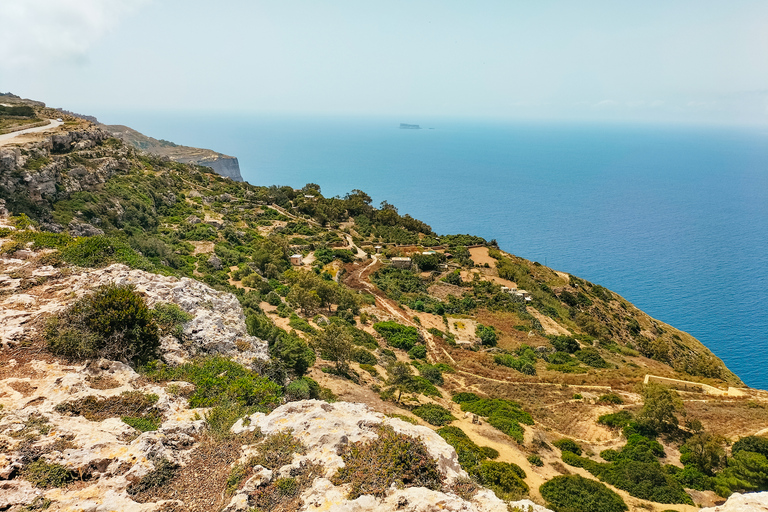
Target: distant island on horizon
(405,126)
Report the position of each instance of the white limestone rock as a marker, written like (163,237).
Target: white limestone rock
(751,502)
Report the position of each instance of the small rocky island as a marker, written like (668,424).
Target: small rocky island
(404,126)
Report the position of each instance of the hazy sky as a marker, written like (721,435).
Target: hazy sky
(668,60)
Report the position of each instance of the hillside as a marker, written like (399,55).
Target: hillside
(336,300)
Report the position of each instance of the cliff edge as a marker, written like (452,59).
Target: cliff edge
(224,165)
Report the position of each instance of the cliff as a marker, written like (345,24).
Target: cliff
(224,165)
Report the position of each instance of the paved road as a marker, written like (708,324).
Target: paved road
(8,137)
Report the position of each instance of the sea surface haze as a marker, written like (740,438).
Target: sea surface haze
(674,218)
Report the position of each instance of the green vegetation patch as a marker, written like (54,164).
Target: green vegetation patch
(525,362)
(574,493)
(398,335)
(277,449)
(504,415)
(112,322)
(135,408)
(635,469)
(503,478)
(434,414)
(44,474)
(372,467)
(163,473)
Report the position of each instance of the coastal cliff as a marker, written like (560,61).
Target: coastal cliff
(224,165)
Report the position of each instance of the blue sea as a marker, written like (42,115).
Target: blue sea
(674,218)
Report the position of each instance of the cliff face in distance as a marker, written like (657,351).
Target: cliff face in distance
(221,164)
(320,353)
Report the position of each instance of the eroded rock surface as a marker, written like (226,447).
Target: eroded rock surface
(752,502)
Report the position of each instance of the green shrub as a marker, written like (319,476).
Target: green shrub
(615,420)
(574,493)
(230,390)
(469,453)
(754,444)
(535,460)
(100,251)
(362,356)
(487,335)
(113,322)
(611,398)
(372,467)
(568,445)
(434,414)
(370,369)
(44,474)
(432,373)
(465,396)
(591,357)
(398,335)
(503,478)
(134,404)
(302,388)
(170,318)
(418,352)
(143,424)
(504,415)
(276,450)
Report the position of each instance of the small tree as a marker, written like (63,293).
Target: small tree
(705,451)
(660,404)
(400,377)
(487,335)
(335,344)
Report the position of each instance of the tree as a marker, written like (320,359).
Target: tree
(400,377)
(307,300)
(705,451)
(660,404)
(487,335)
(335,344)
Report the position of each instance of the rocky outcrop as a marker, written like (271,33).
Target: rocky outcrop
(325,428)
(217,325)
(753,502)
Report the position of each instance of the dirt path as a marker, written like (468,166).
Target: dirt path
(9,138)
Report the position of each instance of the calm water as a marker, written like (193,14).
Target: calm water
(675,219)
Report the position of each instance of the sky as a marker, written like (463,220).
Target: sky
(700,61)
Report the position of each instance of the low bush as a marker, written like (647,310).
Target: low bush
(469,453)
(363,356)
(616,420)
(44,474)
(276,450)
(372,467)
(418,352)
(568,445)
(432,373)
(591,357)
(503,478)
(170,318)
(574,493)
(434,414)
(302,388)
(504,415)
(611,398)
(398,335)
(535,460)
(218,381)
(113,322)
